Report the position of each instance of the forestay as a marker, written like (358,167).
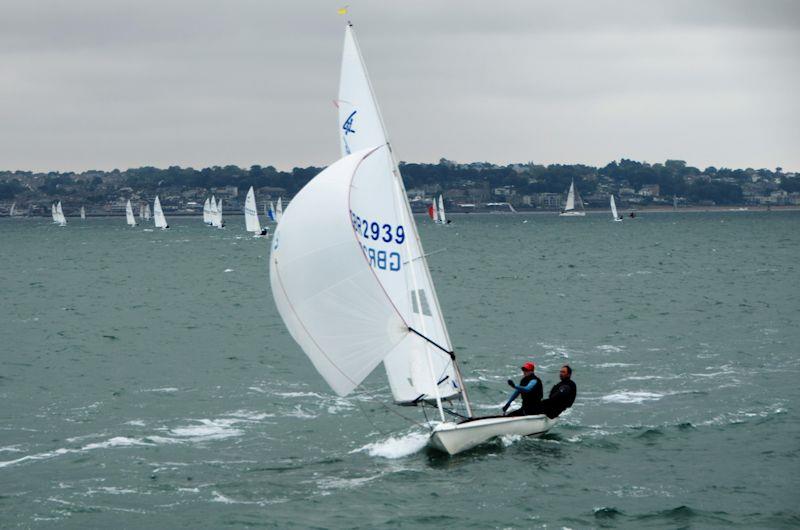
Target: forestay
(388,236)
(251,213)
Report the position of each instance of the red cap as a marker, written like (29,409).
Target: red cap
(529,366)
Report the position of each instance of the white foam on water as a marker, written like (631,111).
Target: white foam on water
(165,389)
(248,415)
(219,497)
(395,447)
(208,430)
(228,270)
(117,441)
(632,397)
(345,483)
(257,389)
(613,365)
(510,439)
(300,394)
(298,412)
(135,423)
(610,348)
(10,449)
(648,377)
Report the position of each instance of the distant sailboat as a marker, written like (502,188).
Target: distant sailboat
(573,198)
(614,214)
(158,215)
(83,213)
(251,214)
(207,211)
(61,220)
(432,213)
(271,212)
(212,212)
(54,213)
(279,211)
(129,214)
(219,223)
(147,212)
(442,217)
(12,209)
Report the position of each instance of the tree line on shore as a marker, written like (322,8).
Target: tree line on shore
(674,177)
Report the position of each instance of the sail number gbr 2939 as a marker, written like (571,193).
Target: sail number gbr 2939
(369,231)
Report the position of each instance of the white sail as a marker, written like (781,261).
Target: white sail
(218,219)
(442,217)
(377,203)
(570,198)
(60,215)
(54,212)
(129,214)
(147,215)
(212,212)
(83,213)
(271,212)
(12,209)
(158,214)
(207,211)
(278,211)
(251,213)
(324,289)
(614,214)
(141,212)
(433,212)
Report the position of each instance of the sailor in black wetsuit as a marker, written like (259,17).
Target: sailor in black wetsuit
(530,387)
(562,395)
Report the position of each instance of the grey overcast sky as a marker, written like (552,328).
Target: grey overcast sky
(109,84)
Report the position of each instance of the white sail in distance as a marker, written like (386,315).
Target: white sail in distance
(251,213)
(570,198)
(12,209)
(614,214)
(416,368)
(54,213)
(442,217)
(83,213)
(60,215)
(147,212)
(212,212)
(129,214)
(158,214)
(279,211)
(207,211)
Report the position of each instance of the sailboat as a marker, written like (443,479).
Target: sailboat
(83,213)
(572,198)
(212,212)
(442,217)
(278,211)
(251,214)
(271,212)
(12,209)
(432,213)
(147,215)
(129,214)
(218,222)
(54,213)
(158,215)
(614,214)
(378,303)
(60,219)
(207,211)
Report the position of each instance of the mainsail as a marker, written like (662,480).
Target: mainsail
(416,369)
(54,212)
(83,213)
(442,218)
(158,214)
(570,198)
(60,219)
(251,213)
(129,214)
(614,214)
(207,211)
(279,211)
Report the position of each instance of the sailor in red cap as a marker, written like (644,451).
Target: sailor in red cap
(530,387)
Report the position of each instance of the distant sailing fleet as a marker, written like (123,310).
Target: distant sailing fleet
(212,212)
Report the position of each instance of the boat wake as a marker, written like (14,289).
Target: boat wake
(396,446)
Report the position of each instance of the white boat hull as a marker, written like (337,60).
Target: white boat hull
(453,438)
(572,214)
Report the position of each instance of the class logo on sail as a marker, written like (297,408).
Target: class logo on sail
(348,124)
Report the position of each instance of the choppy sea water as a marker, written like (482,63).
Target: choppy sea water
(147,381)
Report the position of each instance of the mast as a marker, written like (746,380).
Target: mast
(408,221)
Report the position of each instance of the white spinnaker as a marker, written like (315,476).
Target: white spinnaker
(325,290)
(251,213)
(279,211)
(570,198)
(614,209)
(158,214)
(60,214)
(442,217)
(379,196)
(129,214)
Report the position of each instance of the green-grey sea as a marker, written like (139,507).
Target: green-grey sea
(147,381)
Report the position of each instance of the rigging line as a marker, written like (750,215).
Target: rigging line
(425,255)
(448,352)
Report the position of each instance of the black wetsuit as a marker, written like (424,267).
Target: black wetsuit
(562,396)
